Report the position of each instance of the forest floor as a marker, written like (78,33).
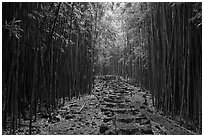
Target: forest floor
(115,107)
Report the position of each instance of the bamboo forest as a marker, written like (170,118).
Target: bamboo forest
(101,68)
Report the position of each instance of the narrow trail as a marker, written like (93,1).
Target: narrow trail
(53,52)
(114,108)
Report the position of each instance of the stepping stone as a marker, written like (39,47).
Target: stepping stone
(158,127)
(87,123)
(20,130)
(145,103)
(150,110)
(76,112)
(44,116)
(107,119)
(111,105)
(124,92)
(127,100)
(139,118)
(94,123)
(108,113)
(120,111)
(142,107)
(73,105)
(119,97)
(70,117)
(114,88)
(104,103)
(103,128)
(113,100)
(97,89)
(71,128)
(57,118)
(92,97)
(134,110)
(147,130)
(103,109)
(110,132)
(125,118)
(112,96)
(144,121)
(127,129)
(125,88)
(115,96)
(122,105)
(105,92)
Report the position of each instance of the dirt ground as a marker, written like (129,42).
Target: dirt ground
(115,107)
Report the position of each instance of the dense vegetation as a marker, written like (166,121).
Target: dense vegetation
(47,57)
(51,52)
(159,45)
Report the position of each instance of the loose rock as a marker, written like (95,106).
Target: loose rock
(69,117)
(103,129)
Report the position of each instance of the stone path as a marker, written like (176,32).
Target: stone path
(121,116)
(116,107)
(126,109)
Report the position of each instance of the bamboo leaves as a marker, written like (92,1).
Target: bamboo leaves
(56,46)
(14,28)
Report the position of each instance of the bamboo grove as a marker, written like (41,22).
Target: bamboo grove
(51,52)
(175,45)
(47,58)
(159,46)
